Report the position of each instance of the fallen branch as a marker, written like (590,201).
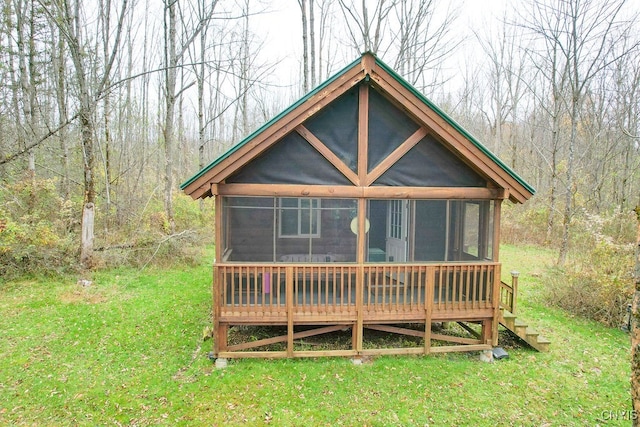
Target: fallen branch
(166,239)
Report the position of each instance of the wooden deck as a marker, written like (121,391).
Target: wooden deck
(334,296)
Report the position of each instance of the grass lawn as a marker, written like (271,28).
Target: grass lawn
(128,350)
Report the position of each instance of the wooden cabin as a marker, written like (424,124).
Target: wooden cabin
(361,207)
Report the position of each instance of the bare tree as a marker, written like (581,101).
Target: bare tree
(366,30)
(67,17)
(175,47)
(60,84)
(581,37)
(305,45)
(635,333)
(421,41)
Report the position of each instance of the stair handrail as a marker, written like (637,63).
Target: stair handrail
(509,293)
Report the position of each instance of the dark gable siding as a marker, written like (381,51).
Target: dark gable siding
(292,160)
(430,164)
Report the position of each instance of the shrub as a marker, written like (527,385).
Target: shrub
(39,232)
(597,282)
(36,235)
(522,224)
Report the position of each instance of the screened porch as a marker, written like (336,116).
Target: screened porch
(323,230)
(295,262)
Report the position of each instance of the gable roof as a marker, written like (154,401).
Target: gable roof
(367,68)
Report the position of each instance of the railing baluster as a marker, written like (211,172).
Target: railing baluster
(257,289)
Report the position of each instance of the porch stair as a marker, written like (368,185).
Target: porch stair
(523,331)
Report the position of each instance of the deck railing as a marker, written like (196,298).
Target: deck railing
(313,292)
(509,293)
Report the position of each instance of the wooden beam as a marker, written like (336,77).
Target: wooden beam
(254,354)
(324,353)
(200,192)
(428,307)
(397,330)
(390,160)
(289,303)
(442,193)
(219,333)
(344,191)
(363,132)
(452,338)
(361,242)
(455,348)
(283,338)
(492,333)
(290,190)
(497,211)
(392,351)
(328,154)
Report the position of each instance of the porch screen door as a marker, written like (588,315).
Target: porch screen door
(397,224)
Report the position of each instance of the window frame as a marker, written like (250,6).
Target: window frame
(314,215)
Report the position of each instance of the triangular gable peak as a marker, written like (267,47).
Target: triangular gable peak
(363,130)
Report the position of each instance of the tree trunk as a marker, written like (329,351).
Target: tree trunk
(88,220)
(305,47)
(635,334)
(312,44)
(105,7)
(201,125)
(568,207)
(61,97)
(88,213)
(170,102)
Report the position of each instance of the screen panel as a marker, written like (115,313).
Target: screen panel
(430,164)
(292,160)
(389,127)
(336,125)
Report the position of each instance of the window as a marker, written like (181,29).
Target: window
(396,219)
(471,237)
(299,217)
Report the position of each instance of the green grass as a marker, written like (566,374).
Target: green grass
(128,350)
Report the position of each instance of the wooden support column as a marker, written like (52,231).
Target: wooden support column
(363,133)
(488,328)
(428,307)
(360,279)
(495,301)
(289,296)
(363,141)
(497,209)
(219,332)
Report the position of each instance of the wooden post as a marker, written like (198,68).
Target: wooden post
(635,334)
(428,306)
(497,211)
(362,211)
(289,299)
(514,290)
(495,300)
(219,331)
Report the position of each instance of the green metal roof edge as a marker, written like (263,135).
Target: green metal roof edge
(455,125)
(269,124)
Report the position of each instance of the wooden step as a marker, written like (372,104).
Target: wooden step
(523,331)
(508,320)
(543,344)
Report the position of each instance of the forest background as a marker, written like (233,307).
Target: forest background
(107,105)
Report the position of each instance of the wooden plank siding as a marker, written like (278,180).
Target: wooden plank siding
(355,295)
